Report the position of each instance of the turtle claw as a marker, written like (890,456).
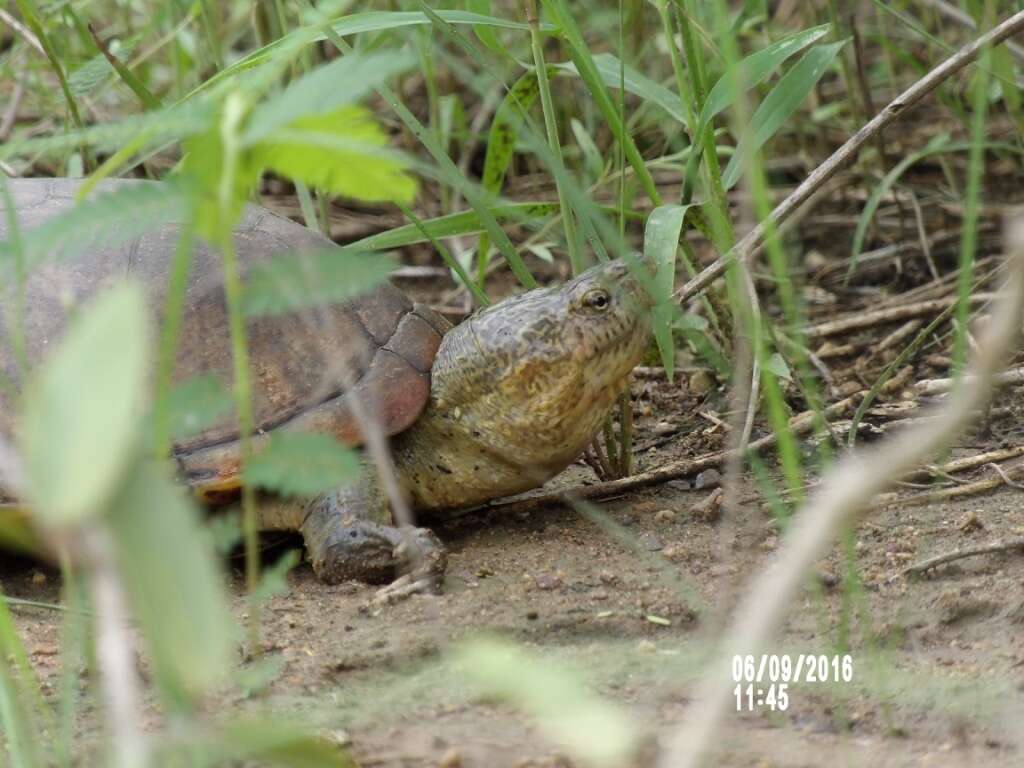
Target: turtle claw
(421,560)
(403,587)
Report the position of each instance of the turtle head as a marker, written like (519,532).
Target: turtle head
(605,319)
(537,374)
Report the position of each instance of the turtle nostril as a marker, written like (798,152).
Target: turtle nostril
(354,534)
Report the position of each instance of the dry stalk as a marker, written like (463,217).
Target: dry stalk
(746,247)
(115,652)
(940,386)
(860,320)
(959,554)
(845,493)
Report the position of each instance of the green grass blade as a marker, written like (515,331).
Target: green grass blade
(149,101)
(325,89)
(755,68)
(102,220)
(453,225)
(580,53)
(15,708)
(296,281)
(780,103)
(302,464)
(501,141)
(661,240)
(607,66)
(354,24)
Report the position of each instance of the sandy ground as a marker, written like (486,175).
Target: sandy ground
(632,604)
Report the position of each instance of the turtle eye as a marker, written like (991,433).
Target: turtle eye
(597,299)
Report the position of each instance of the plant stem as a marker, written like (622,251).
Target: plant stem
(173,312)
(551,128)
(233,112)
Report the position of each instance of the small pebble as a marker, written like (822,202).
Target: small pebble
(548,581)
(650,542)
(969,523)
(827,578)
(709,478)
(665,428)
(674,552)
(646,646)
(665,516)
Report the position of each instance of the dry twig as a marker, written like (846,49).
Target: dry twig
(861,320)
(960,554)
(941,386)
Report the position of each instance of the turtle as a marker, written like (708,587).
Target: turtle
(491,407)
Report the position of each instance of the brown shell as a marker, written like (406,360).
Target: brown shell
(380,343)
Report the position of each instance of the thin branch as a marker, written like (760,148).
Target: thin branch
(844,494)
(960,554)
(860,320)
(846,153)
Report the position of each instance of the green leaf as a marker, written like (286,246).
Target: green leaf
(354,24)
(661,241)
(195,404)
(264,742)
(160,126)
(780,103)
(452,225)
(485,34)
(502,138)
(338,152)
(608,68)
(129,78)
(325,89)
(756,67)
(81,419)
(588,71)
(1005,78)
(563,707)
(940,143)
(776,366)
(90,75)
(170,569)
(298,280)
(593,160)
(100,221)
(302,464)
(504,132)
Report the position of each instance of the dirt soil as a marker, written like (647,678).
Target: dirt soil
(940,684)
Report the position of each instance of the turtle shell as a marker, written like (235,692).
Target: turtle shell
(307,366)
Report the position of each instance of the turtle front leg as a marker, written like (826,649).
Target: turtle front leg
(348,537)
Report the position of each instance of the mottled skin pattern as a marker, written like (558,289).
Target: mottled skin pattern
(517,392)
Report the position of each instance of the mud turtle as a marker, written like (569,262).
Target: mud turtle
(493,407)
